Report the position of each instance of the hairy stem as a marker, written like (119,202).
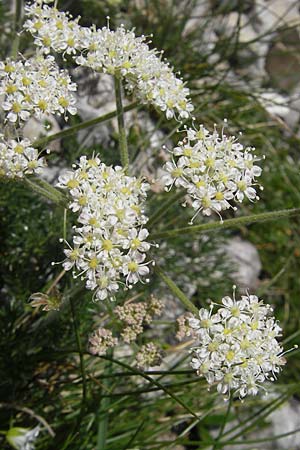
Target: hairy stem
(229,223)
(82,368)
(121,124)
(46,190)
(217,444)
(104,405)
(17,25)
(41,143)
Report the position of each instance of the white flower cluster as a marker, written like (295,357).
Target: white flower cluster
(117,52)
(110,241)
(19,158)
(214,169)
(121,53)
(35,87)
(53,29)
(237,346)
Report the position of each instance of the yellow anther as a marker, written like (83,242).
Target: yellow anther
(133,266)
(72,184)
(93,263)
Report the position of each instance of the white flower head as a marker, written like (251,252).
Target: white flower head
(110,240)
(35,87)
(53,29)
(19,158)
(117,52)
(236,345)
(216,170)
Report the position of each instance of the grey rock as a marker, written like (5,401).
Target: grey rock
(38,128)
(246,261)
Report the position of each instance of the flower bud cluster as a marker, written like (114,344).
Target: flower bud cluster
(237,345)
(135,316)
(101,340)
(149,355)
(215,170)
(117,52)
(35,87)
(183,327)
(19,158)
(110,238)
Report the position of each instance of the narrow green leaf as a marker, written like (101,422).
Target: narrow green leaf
(104,405)
(177,291)
(155,382)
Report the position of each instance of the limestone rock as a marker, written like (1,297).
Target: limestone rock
(246,261)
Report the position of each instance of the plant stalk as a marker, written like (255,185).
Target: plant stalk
(177,291)
(82,368)
(46,190)
(104,404)
(41,143)
(229,223)
(121,124)
(217,444)
(17,26)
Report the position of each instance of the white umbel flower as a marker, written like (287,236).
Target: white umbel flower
(109,245)
(53,29)
(153,81)
(237,345)
(216,170)
(117,52)
(19,158)
(35,87)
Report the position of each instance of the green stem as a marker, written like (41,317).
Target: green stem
(65,224)
(82,368)
(154,389)
(121,124)
(203,444)
(176,291)
(257,441)
(257,418)
(217,442)
(132,439)
(104,405)
(46,190)
(153,381)
(229,223)
(17,25)
(81,126)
